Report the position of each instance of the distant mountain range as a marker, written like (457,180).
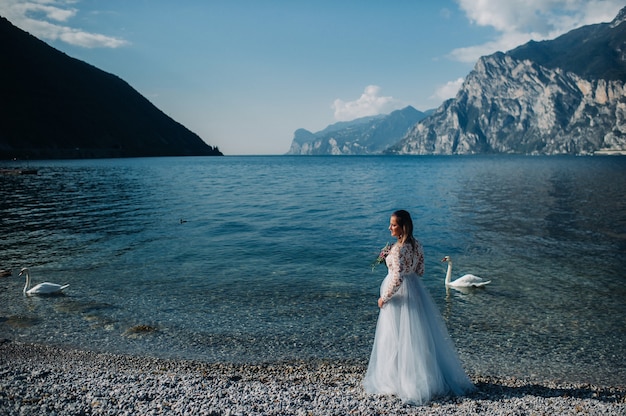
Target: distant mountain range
(563,96)
(367,135)
(54,106)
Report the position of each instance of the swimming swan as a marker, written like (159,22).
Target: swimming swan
(44,288)
(468,280)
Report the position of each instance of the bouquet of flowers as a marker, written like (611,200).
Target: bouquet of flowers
(384,252)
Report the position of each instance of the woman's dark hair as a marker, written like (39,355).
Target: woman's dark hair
(406,223)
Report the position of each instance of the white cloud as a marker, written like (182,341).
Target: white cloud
(368,104)
(518,21)
(448,90)
(48,19)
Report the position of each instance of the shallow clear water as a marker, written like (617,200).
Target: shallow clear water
(272,259)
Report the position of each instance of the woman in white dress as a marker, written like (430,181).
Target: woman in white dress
(413,356)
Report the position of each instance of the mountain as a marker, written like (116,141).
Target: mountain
(367,135)
(564,96)
(54,106)
(591,52)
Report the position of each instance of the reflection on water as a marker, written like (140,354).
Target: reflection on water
(271,260)
(557,263)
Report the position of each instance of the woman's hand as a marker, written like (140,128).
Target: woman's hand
(380,302)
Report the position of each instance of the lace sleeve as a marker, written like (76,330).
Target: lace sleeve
(401,261)
(396,263)
(419,267)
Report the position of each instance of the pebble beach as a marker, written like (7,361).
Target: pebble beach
(41,379)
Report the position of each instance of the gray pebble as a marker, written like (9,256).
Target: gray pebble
(39,379)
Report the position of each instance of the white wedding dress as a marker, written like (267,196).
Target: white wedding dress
(413,356)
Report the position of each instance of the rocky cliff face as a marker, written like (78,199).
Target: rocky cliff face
(368,135)
(511,106)
(542,105)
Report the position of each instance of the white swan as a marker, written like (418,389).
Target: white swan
(44,288)
(468,280)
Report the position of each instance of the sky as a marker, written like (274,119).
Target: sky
(246,74)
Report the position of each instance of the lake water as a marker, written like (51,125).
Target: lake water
(272,258)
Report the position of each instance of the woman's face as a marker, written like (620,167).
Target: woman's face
(394,228)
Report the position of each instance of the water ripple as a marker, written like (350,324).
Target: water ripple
(257,258)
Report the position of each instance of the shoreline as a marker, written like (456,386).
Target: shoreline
(42,379)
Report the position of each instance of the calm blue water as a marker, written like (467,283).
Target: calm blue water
(273,259)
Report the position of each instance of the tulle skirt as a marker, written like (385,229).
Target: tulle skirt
(413,356)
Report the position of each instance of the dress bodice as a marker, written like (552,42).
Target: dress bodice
(402,261)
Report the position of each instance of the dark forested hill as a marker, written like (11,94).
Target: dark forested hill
(54,106)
